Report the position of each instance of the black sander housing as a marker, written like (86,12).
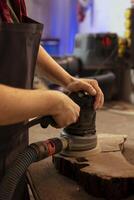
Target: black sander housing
(82,134)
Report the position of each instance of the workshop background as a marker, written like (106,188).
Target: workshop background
(89,39)
(101,16)
(65,20)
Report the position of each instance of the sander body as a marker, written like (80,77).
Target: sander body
(82,134)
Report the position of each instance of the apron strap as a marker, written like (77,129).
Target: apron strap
(14,16)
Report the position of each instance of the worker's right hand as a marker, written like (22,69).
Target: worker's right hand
(63,110)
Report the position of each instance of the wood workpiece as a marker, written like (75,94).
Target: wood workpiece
(104,172)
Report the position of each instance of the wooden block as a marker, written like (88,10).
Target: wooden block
(105,173)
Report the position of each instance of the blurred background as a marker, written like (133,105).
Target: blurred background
(90,38)
(62,21)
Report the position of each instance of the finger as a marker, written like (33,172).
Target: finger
(66,122)
(81,85)
(99,101)
(99,96)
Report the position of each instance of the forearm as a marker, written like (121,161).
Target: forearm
(52,70)
(56,73)
(17,105)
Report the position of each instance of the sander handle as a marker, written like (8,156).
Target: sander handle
(44,121)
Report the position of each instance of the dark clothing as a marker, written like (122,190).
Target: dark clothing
(18,7)
(19,45)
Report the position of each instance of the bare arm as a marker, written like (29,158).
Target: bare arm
(52,69)
(17,105)
(57,74)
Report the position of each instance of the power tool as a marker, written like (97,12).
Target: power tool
(75,140)
(82,134)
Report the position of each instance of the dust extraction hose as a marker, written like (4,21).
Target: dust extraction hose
(33,153)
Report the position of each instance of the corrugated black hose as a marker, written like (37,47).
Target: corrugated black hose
(14,174)
(33,153)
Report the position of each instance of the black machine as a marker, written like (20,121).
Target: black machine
(96,51)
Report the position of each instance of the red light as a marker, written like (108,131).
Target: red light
(106,41)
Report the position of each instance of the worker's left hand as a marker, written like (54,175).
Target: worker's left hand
(90,86)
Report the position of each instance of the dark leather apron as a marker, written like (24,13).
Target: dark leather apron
(19,45)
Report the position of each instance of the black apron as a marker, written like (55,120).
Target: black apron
(19,44)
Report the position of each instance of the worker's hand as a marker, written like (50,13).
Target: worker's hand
(90,86)
(63,110)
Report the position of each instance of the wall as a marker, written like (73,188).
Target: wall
(63,23)
(39,10)
(108,16)
(59,19)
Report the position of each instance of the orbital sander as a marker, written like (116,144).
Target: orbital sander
(81,135)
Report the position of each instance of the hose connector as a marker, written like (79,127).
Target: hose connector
(49,147)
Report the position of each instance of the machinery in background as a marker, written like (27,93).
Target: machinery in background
(106,57)
(95,56)
(96,50)
(91,52)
